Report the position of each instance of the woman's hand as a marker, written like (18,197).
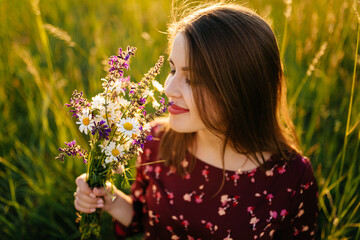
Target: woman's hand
(87,199)
(117,204)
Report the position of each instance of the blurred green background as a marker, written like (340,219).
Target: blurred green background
(49,48)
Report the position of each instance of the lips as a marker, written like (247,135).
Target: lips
(175,109)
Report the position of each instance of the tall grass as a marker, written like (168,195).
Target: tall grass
(49,48)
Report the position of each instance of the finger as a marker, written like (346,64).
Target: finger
(82,209)
(88,205)
(85,198)
(83,186)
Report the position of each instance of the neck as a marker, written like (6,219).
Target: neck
(209,149)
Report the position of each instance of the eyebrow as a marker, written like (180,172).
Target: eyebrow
(183,68)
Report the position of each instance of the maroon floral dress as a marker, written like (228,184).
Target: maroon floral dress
(280,203)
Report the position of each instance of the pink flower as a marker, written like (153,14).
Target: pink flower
(170,195)
(306,186)
(281,169)
(273,214)
(270,196)
(158,195)
(235,176)
(198,199)
(147,152)
(283,213)
(158,169)
(148,169)
(185,223)
(296,232)
(209,225)
(250,209)
(205,172)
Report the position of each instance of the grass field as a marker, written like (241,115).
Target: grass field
(49,48)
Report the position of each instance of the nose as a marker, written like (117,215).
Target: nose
(171,88)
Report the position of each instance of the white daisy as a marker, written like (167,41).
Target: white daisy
(118,87)
(110,113)
(103,145)
(157,86)
(85,121)
(129,127)
(98,102)
(113,151)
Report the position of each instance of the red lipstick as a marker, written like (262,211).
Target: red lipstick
(175,109)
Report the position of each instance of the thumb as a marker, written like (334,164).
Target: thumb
(106,192)
(99,192)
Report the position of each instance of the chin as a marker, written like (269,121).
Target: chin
(184,125)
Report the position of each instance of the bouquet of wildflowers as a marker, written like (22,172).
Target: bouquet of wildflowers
(118,125)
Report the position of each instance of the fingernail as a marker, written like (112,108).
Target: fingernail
(92,210)
(100,205)
(92,195)
(100,201)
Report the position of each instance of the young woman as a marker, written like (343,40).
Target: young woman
(232,168)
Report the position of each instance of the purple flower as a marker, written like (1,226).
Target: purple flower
(125,65)
(71,144)
(72,149)
(103,130)
(77,103)
(141,101)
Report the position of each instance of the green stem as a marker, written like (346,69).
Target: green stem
(349,112)
(283,42)
(351,100)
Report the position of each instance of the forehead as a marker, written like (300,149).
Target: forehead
(178,55)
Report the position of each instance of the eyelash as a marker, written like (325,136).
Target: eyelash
(187,81)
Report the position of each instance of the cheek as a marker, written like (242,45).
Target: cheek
(165,85)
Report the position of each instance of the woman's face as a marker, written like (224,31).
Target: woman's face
(184,116)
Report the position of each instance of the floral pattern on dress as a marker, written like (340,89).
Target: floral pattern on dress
(268,196)
(227,202)
(250,205)
(210,226)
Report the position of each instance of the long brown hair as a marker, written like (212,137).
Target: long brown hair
(234,63)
